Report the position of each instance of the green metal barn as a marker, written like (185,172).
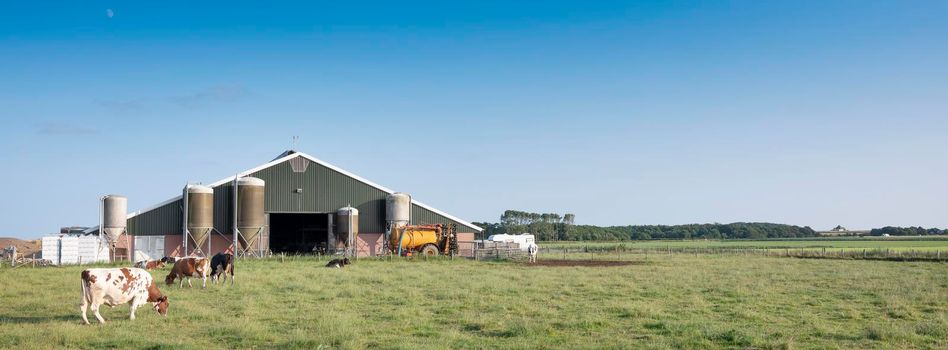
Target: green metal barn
(301,200)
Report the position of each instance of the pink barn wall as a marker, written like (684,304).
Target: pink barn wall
(465,244)
(369,244)
(126,242)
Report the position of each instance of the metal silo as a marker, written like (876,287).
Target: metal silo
(200,214)
(251,218)
(348,224)
(114,217)
(397,214)
(398,209)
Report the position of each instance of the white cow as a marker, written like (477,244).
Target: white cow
(117,286)
(532,250)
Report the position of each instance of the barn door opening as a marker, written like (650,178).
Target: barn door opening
(149,248)
(296,233)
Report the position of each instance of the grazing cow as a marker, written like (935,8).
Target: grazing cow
(189,267)
(222,265)
(150,264)
(338,263)
(120,285)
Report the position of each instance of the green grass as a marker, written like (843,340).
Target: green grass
(930,244)
(670,301)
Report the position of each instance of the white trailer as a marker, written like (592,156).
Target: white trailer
(524,240)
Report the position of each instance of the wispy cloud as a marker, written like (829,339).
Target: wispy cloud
(217,93)
(64,129)
(212,94)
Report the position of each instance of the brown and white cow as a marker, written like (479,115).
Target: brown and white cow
(120,285)
(187,268)
(150,264)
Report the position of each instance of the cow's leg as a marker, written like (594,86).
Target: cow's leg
(189,282)
(95,311)
(84,307)
(181,281)
(204,281)
(131,310)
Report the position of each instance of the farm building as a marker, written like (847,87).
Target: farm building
(306,205)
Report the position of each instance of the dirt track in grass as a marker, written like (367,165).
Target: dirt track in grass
(588,263)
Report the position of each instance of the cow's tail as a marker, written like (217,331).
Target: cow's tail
(85,287)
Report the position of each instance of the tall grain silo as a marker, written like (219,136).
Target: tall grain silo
(397,214)
(347,226)
(114,217)
(398,209)
(251,218)
(200,215)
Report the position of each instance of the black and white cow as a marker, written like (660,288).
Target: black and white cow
(338,263)
(222,265)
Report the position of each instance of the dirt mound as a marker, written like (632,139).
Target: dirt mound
(23,248)
(589,263)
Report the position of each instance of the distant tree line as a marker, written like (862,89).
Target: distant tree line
(907,231)
(554,227)
(546,226)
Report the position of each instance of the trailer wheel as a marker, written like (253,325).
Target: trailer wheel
(429,250)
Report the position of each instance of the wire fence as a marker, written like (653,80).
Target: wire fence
(617,253)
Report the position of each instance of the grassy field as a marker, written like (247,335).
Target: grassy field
(895,244)
(671,301)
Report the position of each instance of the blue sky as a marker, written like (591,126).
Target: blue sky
(803,112)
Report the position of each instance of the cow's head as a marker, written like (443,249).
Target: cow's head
(162,305)
(345,261)
(170,279)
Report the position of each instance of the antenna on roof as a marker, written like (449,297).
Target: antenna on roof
(296,142)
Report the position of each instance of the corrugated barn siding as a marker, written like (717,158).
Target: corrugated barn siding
(223,209)
(337,190)
(164,220)
(281,185)
(422,216)
(323,191)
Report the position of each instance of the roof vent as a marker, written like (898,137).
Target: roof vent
(299,164)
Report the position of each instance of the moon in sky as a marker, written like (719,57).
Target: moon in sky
(109,13)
